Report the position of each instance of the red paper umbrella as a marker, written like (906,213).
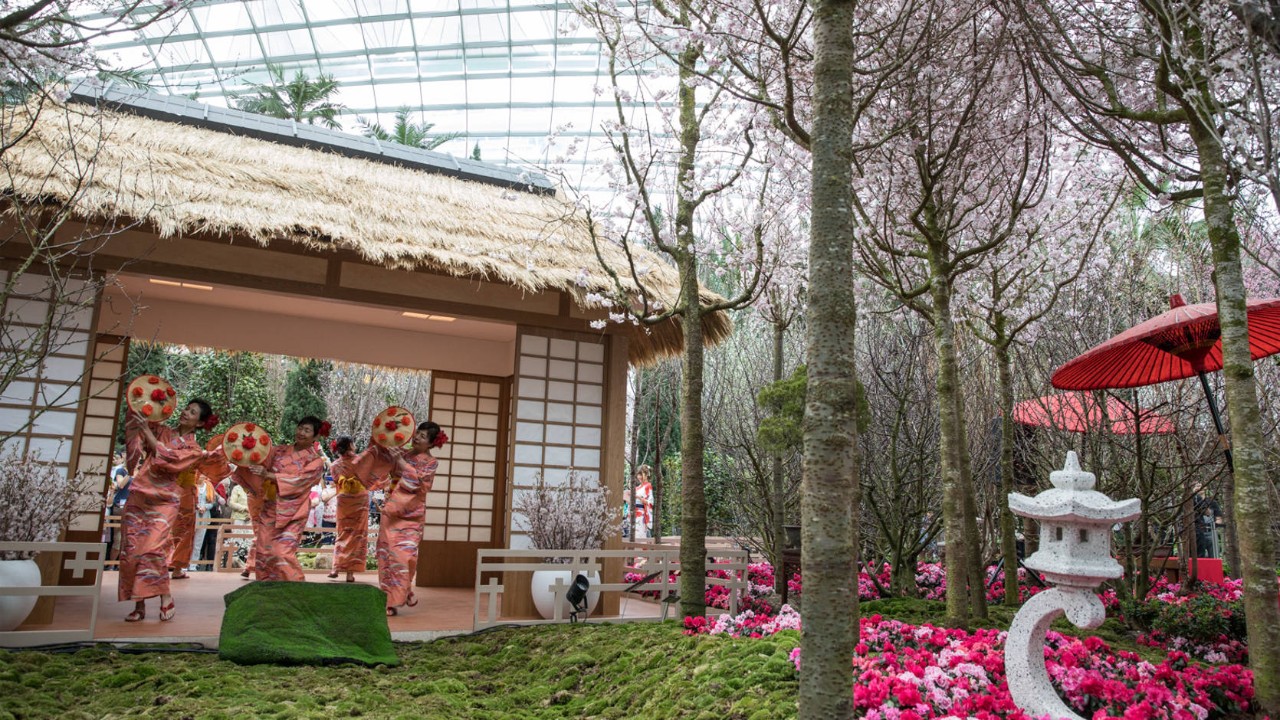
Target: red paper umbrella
(1173,345)
(1080,412)
(1181,343)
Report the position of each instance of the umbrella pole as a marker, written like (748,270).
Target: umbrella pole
(1217,420)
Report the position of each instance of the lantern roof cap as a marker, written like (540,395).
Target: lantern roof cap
(1073,500)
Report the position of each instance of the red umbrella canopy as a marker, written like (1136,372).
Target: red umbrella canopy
(1080,412)
(1177,344)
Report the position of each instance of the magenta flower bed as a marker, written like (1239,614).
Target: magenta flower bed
(907,672)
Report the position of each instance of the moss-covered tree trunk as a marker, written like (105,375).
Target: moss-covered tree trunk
(830,480)
(1008,537)
(902,574)
(976,565)
(1252,488)
(947,387)
(693,523)
(779,518)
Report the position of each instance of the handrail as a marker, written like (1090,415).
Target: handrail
(663,561)
(78,563)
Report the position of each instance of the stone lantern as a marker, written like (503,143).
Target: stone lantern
(1074,555)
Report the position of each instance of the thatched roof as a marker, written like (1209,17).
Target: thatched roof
(182,180)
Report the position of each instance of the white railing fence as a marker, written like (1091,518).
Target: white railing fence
(661,562)
(78,558)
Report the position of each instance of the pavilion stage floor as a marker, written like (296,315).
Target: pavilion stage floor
(440,612)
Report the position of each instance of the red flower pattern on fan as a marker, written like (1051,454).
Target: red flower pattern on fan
(151,397)
(246,441)
(392,427)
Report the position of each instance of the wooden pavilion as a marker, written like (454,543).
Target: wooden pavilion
(217,228)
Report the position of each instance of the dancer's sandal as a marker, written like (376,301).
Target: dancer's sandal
(351,577)
(392,612)
(245,574)
(167,612)
(139,614)
(412,600)
(180,575)
(333,575)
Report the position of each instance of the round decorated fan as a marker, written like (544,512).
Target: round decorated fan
(152,397)
(246,444)
(393,427)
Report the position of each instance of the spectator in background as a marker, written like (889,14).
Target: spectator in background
(117,495)
(238,504)
(328,509)
(205,500)
(221,508)
(642,501)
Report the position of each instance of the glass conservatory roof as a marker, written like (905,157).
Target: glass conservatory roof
(500,71)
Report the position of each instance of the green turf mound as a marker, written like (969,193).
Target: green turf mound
(290,623)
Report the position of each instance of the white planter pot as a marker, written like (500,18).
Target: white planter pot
(544,597)
(15,608)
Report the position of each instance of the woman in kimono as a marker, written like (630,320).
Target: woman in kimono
(152,507)
(353,513)
(184,528)
(400,530)
(292,470)
(261,499)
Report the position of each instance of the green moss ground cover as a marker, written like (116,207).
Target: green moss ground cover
(641,670)
(637,670)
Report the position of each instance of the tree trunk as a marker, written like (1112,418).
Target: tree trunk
(1145,539)
(902,576)
(656,510)
(953,500)
(779,518)
(693,524)
(972,540)
(1008,538)
(830,480)
(1252,491)
(1230,537)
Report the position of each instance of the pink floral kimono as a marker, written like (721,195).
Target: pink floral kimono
(152,510)
(262,515)
(400,530)
(297,471)
(184,529)
(352,547)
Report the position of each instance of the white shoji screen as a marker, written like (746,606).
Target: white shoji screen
(45,330)
(559,407)
(97,434)
(461,504)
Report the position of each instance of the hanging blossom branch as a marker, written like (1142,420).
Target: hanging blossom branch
(655,204)
(573,516)
(37,500)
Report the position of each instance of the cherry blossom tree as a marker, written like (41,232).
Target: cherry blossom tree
(1019,284)
(1154,82)
(970,156)
(692,184)
(829,529)
(52,280)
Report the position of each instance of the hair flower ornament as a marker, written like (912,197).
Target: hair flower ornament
(441,439)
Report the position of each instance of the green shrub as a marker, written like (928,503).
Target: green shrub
(1202,618)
